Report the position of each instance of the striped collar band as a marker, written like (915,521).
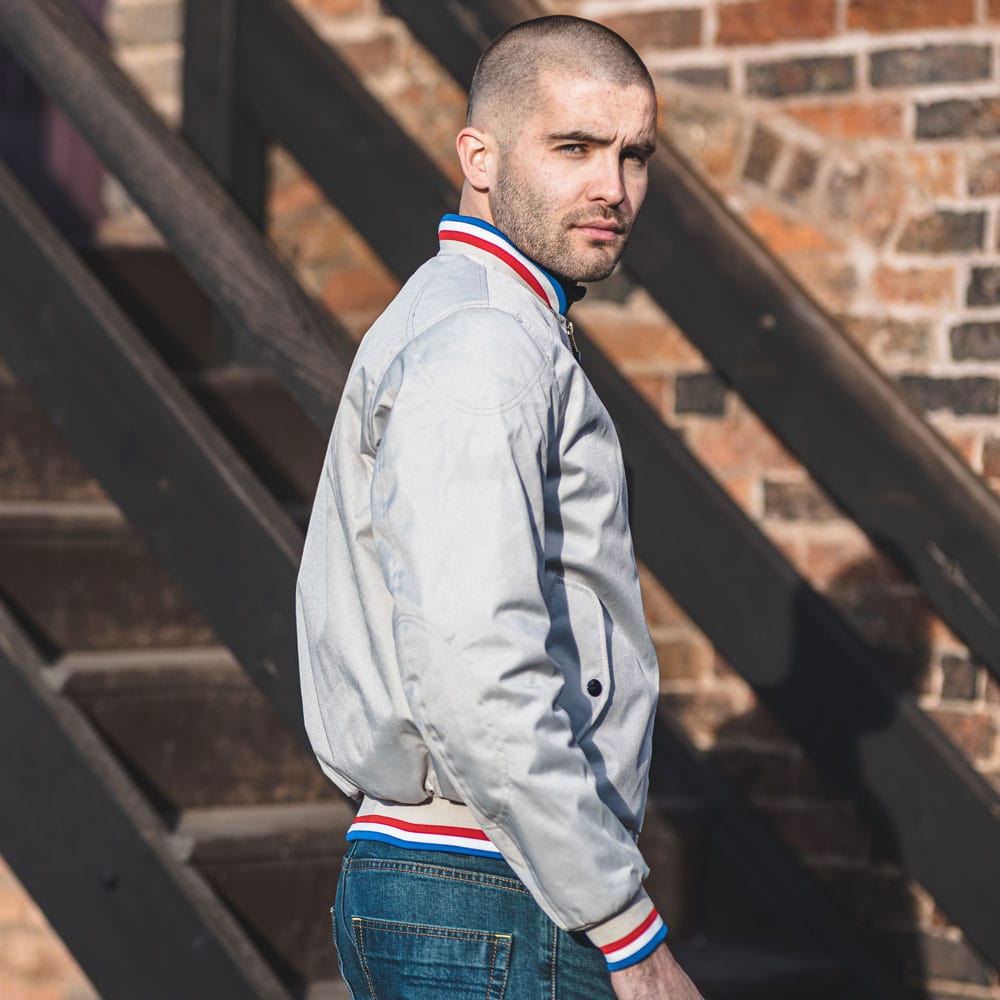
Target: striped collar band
(474,232)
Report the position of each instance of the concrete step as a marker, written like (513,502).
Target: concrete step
(192,729)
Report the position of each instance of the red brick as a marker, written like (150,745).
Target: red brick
(830,280)
(783,235)
(903,15)
(984,174)
(915,286)
(737,445)
(827,562)
(293,195)
(367,288)
(660,607)
(337,8)
(852,120)
(662,29)
(684,658)
(370,56)
(653,388)
(991,456)
(992,690)
(762,21)
(966,443)
(704,714)
(743,489)
(888,339)
(627,342)
(932,174)
(974,733)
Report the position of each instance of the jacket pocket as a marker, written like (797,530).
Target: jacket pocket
(578,643)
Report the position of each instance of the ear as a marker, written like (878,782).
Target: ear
(475,153)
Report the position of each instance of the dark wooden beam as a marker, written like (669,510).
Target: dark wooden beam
(309,100)
(281,325)
(215,122)
(99,862)
(810,670)
(903,484)
(214,527)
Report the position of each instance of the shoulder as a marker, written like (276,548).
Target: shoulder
(479,357)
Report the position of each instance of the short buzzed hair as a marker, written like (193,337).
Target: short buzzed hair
(506,77)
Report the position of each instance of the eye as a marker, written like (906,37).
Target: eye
(573,148)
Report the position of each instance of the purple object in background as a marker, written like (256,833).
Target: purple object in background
(43,149)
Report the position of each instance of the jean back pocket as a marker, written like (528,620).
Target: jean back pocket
(404,961)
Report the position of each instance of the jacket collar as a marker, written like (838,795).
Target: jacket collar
(476,233)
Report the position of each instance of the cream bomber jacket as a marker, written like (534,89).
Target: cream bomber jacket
(472,642)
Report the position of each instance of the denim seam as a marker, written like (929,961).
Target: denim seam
(492,881)
(359,937)
(553,958)
(493,966)
(423,930)
(508,938)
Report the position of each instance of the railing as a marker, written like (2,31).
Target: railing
(74,828)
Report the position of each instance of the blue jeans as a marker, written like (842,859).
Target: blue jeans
(430,925)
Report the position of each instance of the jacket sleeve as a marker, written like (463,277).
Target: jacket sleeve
(458,504)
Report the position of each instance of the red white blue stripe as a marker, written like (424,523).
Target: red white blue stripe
(633,947)
(476,233)
(422,836)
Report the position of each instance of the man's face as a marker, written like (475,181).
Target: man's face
(572,177)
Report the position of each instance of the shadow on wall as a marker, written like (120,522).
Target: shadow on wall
(858,858)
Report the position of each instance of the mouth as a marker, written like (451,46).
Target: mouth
(603,230)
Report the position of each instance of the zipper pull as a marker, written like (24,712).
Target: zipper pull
(572,339)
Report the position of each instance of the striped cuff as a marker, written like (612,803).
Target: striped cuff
(628,937)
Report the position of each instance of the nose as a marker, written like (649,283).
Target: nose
(608,183)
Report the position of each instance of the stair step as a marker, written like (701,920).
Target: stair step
(279,442)
(163,301)
(78,577)
(249,406)
(276,868)
(192,728)
(35,463)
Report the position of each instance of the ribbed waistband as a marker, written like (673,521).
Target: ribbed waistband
(436,825)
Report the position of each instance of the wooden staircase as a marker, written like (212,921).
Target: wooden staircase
(216,463)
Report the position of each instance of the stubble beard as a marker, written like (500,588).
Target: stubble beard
(521,212)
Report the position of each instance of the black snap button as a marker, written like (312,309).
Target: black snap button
(594,687)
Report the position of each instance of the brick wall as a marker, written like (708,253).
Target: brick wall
(860,141)
(34,964)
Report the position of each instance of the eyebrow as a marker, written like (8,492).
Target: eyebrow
(645,148)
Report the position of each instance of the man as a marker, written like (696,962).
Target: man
(475,663)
